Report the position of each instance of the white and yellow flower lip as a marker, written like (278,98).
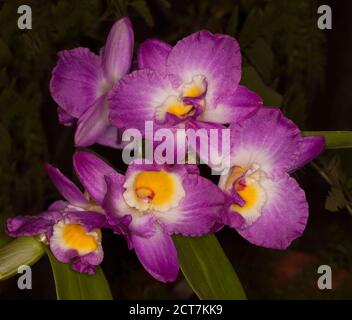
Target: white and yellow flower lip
(246,184)
(175,106)
(195,88)
(190,101)
(73,236)
(153,190)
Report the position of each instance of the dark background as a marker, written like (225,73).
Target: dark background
(310,69)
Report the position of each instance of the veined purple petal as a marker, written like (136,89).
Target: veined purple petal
(111,137)
(58,205)
(232,108)
(83,267)
(24,226)
(117,53)
(91,171)
(93,123)
(66,187)
(75,80)
(89,219)
(88,263)
(60,253)
(152,54)
(267,139)
(135,98)
(283,218)
(310,148)
(158,255)
(217,57)
(197,212)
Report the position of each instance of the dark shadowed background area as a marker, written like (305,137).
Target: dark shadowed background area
(310,69)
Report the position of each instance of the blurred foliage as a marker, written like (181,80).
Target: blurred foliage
(284,58)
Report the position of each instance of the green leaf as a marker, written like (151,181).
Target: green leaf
(252,80)
(262,58)
(72,285)
(207,269)
(334,139)
(21,251)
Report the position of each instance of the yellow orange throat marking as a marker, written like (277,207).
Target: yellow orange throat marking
(76,237)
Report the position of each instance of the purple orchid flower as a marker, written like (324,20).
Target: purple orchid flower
(71,227)
(267,206)
(152,202)
(81,81)
(194,84)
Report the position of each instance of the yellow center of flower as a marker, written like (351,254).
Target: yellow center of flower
(250,195)
(176,105)
(76,237)
(158,191)
(154,187)
(179,109)
(247,184)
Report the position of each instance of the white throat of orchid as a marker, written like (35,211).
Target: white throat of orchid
(153,191)
(73,236)
(247,184)
(179,105)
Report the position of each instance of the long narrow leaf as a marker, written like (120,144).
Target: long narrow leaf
(334,139)
(207,269)
(71,285)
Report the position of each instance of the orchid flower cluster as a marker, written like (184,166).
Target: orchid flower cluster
(194,84)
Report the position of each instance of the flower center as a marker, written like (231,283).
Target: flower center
(180,109)
(76,237)
(196,88)
(246,184)
(188,103)
(153,190)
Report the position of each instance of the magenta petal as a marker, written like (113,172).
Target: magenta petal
(111,137)
(66,187)
(88,263)
(283,218)
(158,255)
(310,148)
(83,267)
(91,171)
(235,107)
(89,219)
(117,53)
(197,212)
(135,98)
(267,139)
(24,226)
(152,54)
(93,123)
(217,57)
(61,254)
(75,80)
